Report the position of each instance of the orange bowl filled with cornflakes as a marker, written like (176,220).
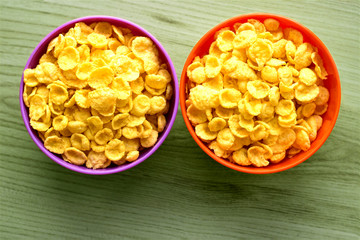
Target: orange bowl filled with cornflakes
(260,93)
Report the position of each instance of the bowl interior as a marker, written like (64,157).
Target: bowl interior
(332,84)
(136,30)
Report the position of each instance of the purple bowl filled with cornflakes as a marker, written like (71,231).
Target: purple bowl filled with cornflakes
(99,95)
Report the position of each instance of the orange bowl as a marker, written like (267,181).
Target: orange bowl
(332,84)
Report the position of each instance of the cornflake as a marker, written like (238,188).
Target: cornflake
(100,95)
(258,95)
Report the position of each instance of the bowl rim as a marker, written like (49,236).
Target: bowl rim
(183,80)
(171,115)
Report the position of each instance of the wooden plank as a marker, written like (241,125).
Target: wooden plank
(179,192)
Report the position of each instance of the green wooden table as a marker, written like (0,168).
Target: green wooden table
(179,192)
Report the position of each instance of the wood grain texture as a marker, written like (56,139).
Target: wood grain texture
(179,192)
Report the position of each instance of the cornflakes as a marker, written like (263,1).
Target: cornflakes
(37,107)
(46,72)
(80,141)
(271,24)
(132,132)
(308,109)
(305,93)
(157,105)
(258,133)
(285,107)
(218,150)
(241,157)
(257,97)
(69,58)
(256,156)
(101,77)
(260,51)
(203,97)
(60,122)
(115,150)
(244,39)
(269,74)
(235,127)
(150,140)
(97,40)
(225,40)
(55,144)
(212,66)
(74,156)
(285,76)
(96,160)
(258,89)
(126,68)
(225,138)
(293,35)
(302,140)
(77,126)
(103,136)
(253,106)
(161,123)
(307,76)
(323,96)
(132,156)
(141,105)
(321,109)
(99,94)
(103,28)
(319,67)
(203,131)
(302,57)
(216,124)
(229,97)
(57,94)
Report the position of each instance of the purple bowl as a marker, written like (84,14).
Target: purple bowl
(136,30)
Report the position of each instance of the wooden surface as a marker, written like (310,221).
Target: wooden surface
(179,192)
